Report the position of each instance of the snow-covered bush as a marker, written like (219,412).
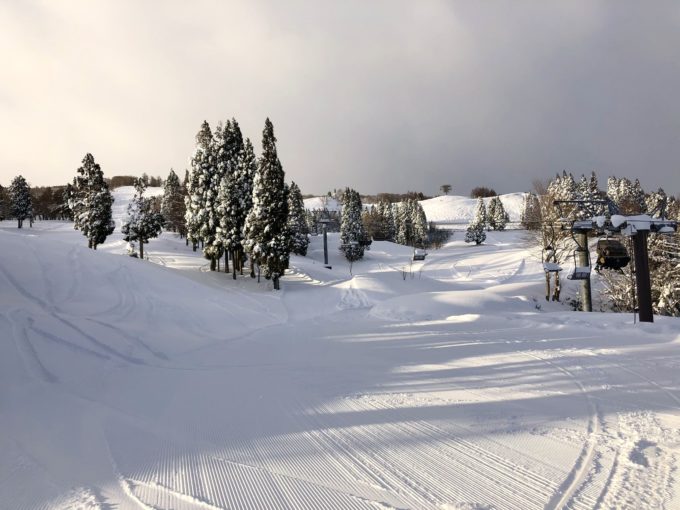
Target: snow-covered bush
(475,230)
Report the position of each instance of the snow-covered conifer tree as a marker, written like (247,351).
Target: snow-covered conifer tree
(419,223)
(491,213)
(21,206)
(199,180)
(497,218)
(141,222)
(212,172)
(403,223)
(627,196)
(638,197)
(475,231)
(531,212)
(351,227)
(267,239)
(172,204)
(91,203)
(297,225)
(232,195)
(386,221)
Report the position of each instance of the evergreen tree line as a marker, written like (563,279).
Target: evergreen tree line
(624,196)
(404,222)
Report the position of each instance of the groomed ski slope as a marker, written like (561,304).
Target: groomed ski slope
(447,384)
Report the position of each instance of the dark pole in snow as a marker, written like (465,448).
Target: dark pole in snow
(583,259)
(325,246)
(644,288)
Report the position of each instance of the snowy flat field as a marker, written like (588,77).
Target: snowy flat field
(443,384)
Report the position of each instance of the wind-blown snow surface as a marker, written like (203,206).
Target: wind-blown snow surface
(134,384)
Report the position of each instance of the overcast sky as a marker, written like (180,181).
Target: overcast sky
(377,95)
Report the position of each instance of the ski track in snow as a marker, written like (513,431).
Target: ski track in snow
(457,393)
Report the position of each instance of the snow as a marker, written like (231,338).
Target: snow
(319,203)
(444,383)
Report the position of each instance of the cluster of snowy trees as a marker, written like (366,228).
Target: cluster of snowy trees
(623,196)
(237,205)
(493,217)
(404,222)
(90,202)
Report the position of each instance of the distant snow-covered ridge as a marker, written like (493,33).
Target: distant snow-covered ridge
(443,209)
(457,209)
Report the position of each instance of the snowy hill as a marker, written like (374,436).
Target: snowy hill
(446,383)
(459,209)
(316,203)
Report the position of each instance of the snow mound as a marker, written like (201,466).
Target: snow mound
(458,209)
(456,306)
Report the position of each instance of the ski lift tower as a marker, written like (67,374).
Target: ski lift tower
(636,227)
(579,232)
(325,220)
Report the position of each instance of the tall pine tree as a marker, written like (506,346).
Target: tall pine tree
(21,205)
(141,222)
(267,239)
(91,203)
(475,231)
(199,179)
(297,224)
(172,204)
(497,218)
(230,195)
(351,227)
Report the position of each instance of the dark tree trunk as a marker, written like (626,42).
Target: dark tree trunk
(213,264)
(226,261)
(233,265)
(141,250)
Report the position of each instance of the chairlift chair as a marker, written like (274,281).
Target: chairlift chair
(611,254)
(552,272)
(419,254)
(580,272)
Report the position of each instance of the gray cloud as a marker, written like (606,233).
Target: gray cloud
(380,95)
